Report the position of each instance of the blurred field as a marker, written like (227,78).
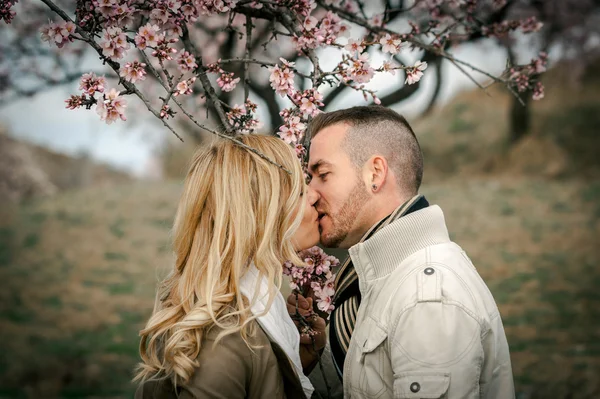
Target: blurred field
(78,270)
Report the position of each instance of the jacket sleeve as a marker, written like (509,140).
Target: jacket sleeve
(496,374)
(435,350)
(224,372)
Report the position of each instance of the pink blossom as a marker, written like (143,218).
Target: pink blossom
(538,65)
(300,150)
(209,7)
(360,70)
(292,130)
(6,13)
(387,66)
(58,33)
(310,23)
(114,43)
(186,62)
(159,16)
(390,44)
(309,105)
(325,304)
(133,71)
(90,84)
(227,82)
(350,7)
(538,91)
(287,135)
(185,87)
(163,50)
(355,46)
(75,101)
(241,118)
(414,73)
(376,20)
(311,277)
(282,78)
(166,112)
(520,80)
(148,36)
(111,107)
(531,24)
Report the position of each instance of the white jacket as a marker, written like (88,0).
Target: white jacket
(427,326)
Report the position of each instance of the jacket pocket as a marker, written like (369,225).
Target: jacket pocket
(421,384)
(370,337)
(370,342)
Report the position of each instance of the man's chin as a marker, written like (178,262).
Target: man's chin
(329,241)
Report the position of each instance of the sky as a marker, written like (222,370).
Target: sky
(133,145)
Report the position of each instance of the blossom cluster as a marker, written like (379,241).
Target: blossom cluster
(525,78)
(501,29)
(315,276)
(226,80)
(110,105)
(320,33)
(59,33)
(6,14)
(134,71)
(242,117)
(166,32)
(282,78)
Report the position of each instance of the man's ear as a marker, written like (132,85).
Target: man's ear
(376,172)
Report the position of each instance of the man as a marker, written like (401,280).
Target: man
(413,318)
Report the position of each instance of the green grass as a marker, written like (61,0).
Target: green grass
(72,310)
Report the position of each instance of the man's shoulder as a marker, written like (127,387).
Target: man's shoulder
(438,273)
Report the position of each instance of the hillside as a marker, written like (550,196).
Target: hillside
(468,137)
(79,268)
(29,171)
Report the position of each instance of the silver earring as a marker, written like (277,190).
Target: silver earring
(374,186)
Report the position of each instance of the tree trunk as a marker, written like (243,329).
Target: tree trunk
(520,118)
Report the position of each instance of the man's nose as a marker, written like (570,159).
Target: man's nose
(313,196)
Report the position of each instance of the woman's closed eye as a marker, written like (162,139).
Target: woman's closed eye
(323,175)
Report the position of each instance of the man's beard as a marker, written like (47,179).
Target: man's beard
(342,221)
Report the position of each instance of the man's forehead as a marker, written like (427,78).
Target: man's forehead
(327,142)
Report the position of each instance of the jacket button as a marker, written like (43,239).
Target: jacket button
(429,271)
(415,387)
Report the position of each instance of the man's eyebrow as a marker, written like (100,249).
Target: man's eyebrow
(318,164)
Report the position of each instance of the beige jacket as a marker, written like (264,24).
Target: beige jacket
(231,370)
(427,326)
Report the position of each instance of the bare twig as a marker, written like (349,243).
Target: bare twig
(247,55)
(259,62)
(202,75)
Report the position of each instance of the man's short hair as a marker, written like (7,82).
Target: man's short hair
(376,130)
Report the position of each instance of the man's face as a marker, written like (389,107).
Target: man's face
(342,193)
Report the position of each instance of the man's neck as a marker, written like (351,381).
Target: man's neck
(374,213)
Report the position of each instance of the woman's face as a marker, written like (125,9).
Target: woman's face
(307,235)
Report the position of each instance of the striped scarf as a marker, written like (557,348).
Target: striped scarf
(347,292)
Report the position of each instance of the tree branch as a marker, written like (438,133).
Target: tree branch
(113,64)
(438,86)
(202,75)
(247,55)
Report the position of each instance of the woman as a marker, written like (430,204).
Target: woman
(220,328)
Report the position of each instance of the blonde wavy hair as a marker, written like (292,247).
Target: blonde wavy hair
(236,208)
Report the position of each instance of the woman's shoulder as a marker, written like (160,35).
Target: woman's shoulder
(254,338)
(232,366)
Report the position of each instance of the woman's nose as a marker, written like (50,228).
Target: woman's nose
(312,196)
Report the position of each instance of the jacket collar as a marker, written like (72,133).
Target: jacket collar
(382,253)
